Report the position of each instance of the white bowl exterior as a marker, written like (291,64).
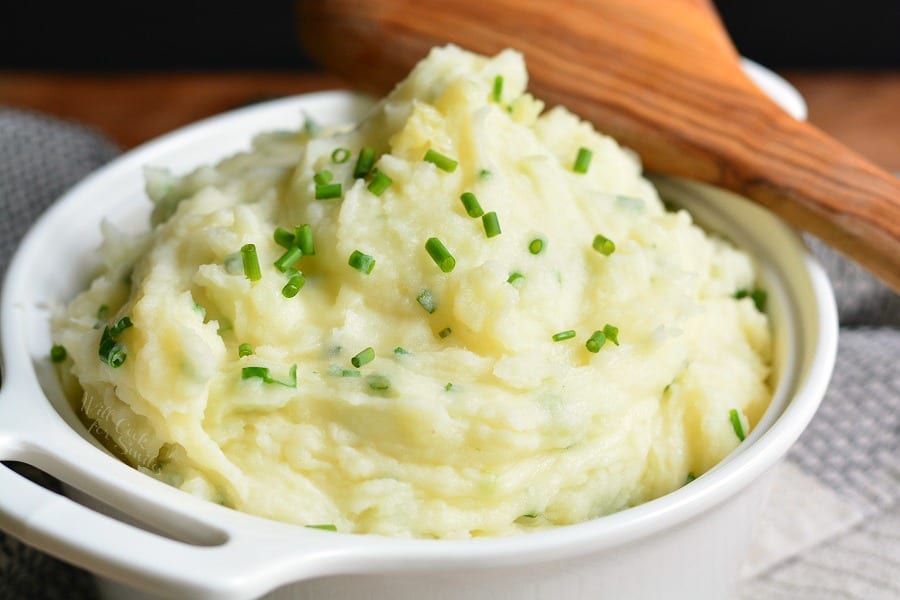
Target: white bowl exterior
(698,533)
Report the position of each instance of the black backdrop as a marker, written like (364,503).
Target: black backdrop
(191,34)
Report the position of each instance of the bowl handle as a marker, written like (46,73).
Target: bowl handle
(239,563)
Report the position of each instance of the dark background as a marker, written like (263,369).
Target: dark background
(193,35)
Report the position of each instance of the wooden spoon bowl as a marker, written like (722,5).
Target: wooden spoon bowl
(660,76)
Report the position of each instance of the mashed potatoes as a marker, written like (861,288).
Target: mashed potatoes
(590,356)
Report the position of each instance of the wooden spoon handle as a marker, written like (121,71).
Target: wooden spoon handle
(660,76)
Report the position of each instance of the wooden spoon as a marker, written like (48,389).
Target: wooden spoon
(660,76)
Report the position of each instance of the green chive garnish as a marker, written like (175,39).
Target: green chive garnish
(440,255)
(361,262)
(379,183)
(57,353)
(690,477)
(102,312)
(491,224)
(364,162)
(497,91)
(311,128)
(363,358)
(514,277)
(564,335)
(442,162)
(294,285)
(484,173)
(757,295)
(378,382)
(529,516)
(327,527)
(536,246)
(120,326)
(595,342)
(583,160)
(245,349)
(339,372)
(288,259)
(322,177)
(736,424)
(470,203)
(445,332)
(283,237)
(110,351)
(263,373)
(340,155)
(612,333)
(328,191)
(448,387)
(250,262)
(603,245)
(303,239)
(400,351)
(426,301)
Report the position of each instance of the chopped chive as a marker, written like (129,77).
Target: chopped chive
(251,372)
(757,295)
(484,173)
(337,371)
(283,237)
(497,91)
(102,312)
(595,342)
(245,349)
(529,516)
(363,358)
(491,224)
(470,203)
(583,160)
(445,332)
(736,424)
(514,277)
(759,298)
(400,351)
(340,155)
(690,477)
(250,262)
(303,239)
(288,259)
(327,527)
(440,255)
(120,326)
(442,162)
(364,162)
(612,333)
(603,245)
(536,246)
(263,373)
(322,177)
(233,264)
(564,335)
(311,128)
(361,262)
(426,301)
(116,356)
(294,285)
(57,353)
(378,382)
(328,190)
(379,183)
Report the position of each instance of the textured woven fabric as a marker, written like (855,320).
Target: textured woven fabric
(852,445)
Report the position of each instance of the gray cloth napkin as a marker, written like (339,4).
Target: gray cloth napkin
(851,450)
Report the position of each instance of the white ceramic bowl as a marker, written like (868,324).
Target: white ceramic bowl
(687,544)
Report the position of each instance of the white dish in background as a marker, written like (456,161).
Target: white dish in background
(686,544)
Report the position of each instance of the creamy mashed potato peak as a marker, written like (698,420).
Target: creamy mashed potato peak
(287,341)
